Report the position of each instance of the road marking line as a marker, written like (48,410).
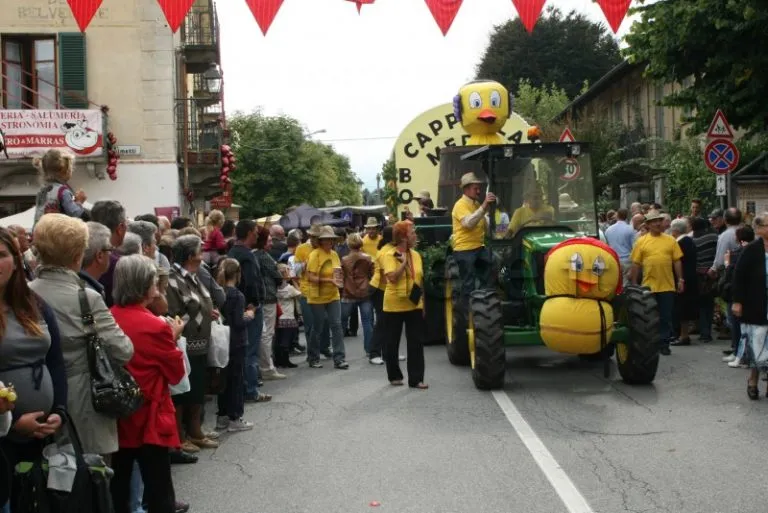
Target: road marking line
(569,494)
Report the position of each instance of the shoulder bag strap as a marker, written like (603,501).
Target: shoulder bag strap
(85,311)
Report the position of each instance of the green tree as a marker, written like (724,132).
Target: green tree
(389,175)
(563,50)
(539,105)
(712,48)
(277,167)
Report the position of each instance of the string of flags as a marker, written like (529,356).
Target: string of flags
(264,11)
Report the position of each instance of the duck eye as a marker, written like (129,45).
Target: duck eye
(598,267)
(495,99)
(475,102)
(577,263)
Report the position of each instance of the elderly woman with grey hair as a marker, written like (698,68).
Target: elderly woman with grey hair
(146,231)
(190,300)
(131,245)
(687,303)
(147,435)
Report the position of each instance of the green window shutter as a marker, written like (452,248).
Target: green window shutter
(73,78)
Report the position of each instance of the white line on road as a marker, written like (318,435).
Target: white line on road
(569,494)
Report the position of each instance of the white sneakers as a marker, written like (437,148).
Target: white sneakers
(272,375)
(232,426)
(376,361)
(729,358)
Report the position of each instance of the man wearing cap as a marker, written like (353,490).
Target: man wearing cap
(717,221)
(469,227)
(657,255)
(372,238)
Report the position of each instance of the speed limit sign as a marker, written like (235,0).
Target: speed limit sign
(572,170)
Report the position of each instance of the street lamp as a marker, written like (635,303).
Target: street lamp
(212,79)
(321,131)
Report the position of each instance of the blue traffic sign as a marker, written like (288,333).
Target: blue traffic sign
(721,156)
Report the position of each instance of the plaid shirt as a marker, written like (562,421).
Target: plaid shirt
(269,274)
(190,300)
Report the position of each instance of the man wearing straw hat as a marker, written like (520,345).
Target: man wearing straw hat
(372,237)
(300,259)
(425,202)
(469,229)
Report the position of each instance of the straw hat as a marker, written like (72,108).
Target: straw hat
(422,195)
(469,179)
(326,232)
(566,201)
(315,230)
(371,222)
(653,215)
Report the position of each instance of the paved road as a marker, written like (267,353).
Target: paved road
(334,441)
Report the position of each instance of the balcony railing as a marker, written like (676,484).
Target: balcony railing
(200,37)
(202,93)
(199,139)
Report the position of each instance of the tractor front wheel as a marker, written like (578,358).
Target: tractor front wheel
(456,322)
(489,361)
(638,357)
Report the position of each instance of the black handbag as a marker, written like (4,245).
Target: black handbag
(90,491)
(114,392)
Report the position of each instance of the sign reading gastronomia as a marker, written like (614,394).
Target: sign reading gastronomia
(30,133)
(417,150)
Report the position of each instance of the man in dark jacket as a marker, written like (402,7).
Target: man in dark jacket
(252,287)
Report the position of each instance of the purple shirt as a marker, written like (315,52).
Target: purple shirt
(108,278)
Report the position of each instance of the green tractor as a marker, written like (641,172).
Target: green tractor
(506,311)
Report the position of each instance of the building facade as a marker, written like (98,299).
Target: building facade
(124,80)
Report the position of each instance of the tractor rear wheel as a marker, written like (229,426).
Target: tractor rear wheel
(456,323)
(638,357)
(489,360)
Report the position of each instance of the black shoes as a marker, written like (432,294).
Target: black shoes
(181,458)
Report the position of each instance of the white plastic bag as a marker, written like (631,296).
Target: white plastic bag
(756,336)
(218,349)
(183,386)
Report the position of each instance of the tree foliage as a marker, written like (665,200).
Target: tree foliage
(389,175)
(539,105)
(277,167)
(717,45)
(563,50)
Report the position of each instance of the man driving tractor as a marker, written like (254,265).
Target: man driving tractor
(533,212)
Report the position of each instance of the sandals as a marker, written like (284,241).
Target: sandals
(752,392)
(396,383)
(263,398)
(204,443)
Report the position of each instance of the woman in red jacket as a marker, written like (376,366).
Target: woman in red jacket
(149,433)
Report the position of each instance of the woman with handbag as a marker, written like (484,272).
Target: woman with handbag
(31,359)
(404,304)
(60,242)
(147,435)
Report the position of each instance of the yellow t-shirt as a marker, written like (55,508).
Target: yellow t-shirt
(525,213)
(396,294)
(379,281)
(465,239)
(301,256)
(655,254)
(322,264)
(371,246)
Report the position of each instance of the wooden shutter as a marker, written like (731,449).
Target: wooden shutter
(73,77)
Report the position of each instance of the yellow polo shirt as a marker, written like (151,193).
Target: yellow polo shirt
(322,264)
(371,246)
(525,213)
(465,239)
(396,294)
(302,256)
(379,281)
(655,255)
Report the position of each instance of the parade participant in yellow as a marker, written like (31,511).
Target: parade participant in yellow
(483,107)
(378,283)
(657,255)
(325,279)
(469,230)
(372,237)
(300,259)
(534,212)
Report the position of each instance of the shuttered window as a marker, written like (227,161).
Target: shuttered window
(73,76)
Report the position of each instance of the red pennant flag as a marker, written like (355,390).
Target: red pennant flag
(615,11)
(264,11)
(84,11)
(444,12)
(360,4)
(529,11)
(175,11)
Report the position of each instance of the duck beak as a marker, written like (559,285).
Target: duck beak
(584,286)
(487,116)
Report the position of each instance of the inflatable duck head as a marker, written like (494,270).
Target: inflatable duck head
(483,107)
(582,267)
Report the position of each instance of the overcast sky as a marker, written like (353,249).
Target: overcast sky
(362,78)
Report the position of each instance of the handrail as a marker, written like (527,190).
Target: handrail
(55,87)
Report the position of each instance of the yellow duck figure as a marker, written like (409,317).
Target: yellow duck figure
(483,108)
(581,276)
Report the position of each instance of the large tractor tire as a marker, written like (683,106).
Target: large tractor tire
(456,322)
(486,340)
(638,358)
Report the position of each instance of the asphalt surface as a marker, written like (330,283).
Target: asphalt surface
(336,441)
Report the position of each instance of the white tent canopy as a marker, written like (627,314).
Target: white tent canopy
(27,218)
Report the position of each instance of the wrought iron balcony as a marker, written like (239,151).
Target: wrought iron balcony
(199,141)
(200,37)
(205,90)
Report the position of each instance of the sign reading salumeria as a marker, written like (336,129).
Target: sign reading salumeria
(417,150)
(30,133)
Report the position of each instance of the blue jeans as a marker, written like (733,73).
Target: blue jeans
(309,321)
(474,272)
(666,305)
(329,313)
(366,318)
(735,324)
(255,328)
(137,490)
(6,508)
(706,314)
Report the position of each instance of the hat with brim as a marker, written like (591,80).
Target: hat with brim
(372,222)
(469,179)
(315,230)
(422,195)
(269,220)
(653,215)
(326,232)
